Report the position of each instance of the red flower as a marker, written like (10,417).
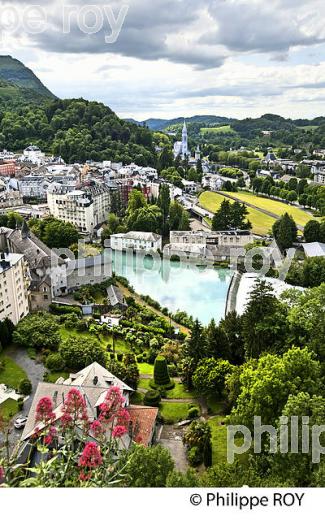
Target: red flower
(97,428)
(2,473)
(119,431)
(90,457)
(74,408)
(112,406)
(44,410)
(48,439)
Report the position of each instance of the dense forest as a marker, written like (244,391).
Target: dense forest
(76,130)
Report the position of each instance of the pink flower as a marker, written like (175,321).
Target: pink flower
(112,406)
(119,431)
(48,439)
(2,473)
(74,408)
(90,457)
(44,410)
(97,428)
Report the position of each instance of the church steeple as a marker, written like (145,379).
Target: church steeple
(184,141)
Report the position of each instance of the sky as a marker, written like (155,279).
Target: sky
(172,58)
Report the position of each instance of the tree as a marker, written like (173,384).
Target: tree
(148,218)
(161,374)
(178,217)
(25,387)
(198,437)
(39,331)
(78,354)
(136,201)
(54,232)
(312,231)
(306,320)
(6,332)
(230,216)
(164,205)
(264,321)
(285,232)
(232,325)
(217,341)
(146,467)
(265,389)
(210,375)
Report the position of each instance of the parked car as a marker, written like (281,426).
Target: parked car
(20,422)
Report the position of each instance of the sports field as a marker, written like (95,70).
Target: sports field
(278,208)
(262,224)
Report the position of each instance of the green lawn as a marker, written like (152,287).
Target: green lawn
(175,412)
(218,439)
(278,208)
(226,129)
(8,409)
(12,373)
(262,224)
(144,383)
(52,377)
(146,369)
(180,392)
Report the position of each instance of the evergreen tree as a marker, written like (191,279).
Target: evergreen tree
(217,342)
(312,231)
(285,232)
(164,205)
(264,322)
(223,217)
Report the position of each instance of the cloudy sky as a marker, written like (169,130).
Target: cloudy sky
(168,58)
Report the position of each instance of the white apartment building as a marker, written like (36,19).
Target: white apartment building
(33,155)
(319,174)
(137,240)
(85,208)
(14,283)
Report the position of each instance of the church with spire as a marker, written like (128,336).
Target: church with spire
(181,147)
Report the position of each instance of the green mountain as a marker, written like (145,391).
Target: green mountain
(163,124)
(18,84)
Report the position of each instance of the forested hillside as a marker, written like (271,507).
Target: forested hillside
(77,130)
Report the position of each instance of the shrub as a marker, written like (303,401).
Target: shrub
(152,398)
(55,362)
(193,413)
(140,358)
(25,387)
(172,370)
(20,404)
(161,375)
(65,309)
(120,357)
(194,456)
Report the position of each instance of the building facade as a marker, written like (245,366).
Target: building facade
(136,240)
(14,283)
(86,208)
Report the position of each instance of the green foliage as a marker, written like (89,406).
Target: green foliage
(231,216)
(161,375)
(197,439)
(285,231)
(54,232)
(39,331)
(152,398)
(25,387)
(264,321)
(210,375)
(55,362)
(265,387)
(77,353)
(147,467)
(312,231)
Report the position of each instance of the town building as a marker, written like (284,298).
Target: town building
(10,199)
(33,155)
(319,174)
(14,283)
(136,240)
(115,298)
(86,208)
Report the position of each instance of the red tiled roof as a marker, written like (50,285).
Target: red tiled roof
(144,420)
